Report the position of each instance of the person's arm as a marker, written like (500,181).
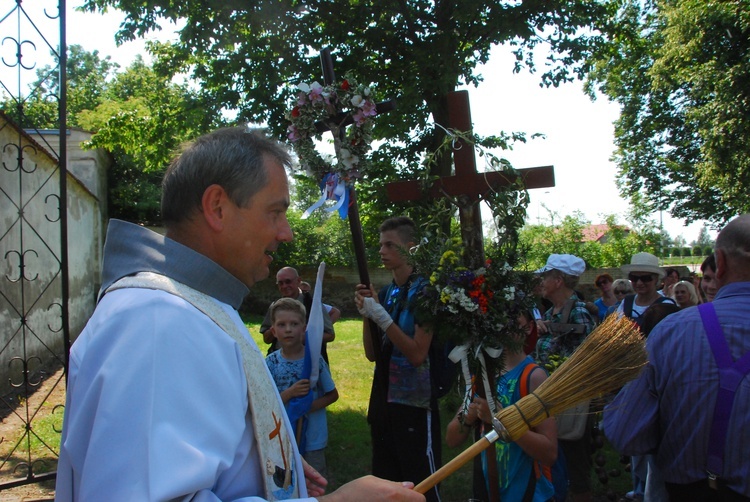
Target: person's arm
(540,443)
(300,388)
(329,334)
(415,349)
(325,400)
(457,432)
(372,489)
(631,420)
(266,329)
(334,314)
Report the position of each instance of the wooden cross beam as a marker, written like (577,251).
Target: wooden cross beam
(468,185)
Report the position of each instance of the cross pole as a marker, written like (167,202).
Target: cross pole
(355,225)
(468,185)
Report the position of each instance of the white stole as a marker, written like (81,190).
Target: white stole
(275,443)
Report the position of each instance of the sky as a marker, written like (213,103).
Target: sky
(579,132)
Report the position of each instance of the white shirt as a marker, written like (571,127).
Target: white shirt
(156,405)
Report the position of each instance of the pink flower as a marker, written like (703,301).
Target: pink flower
(292,133)
(301,98)
(369,108)
(359,117)
(316,93)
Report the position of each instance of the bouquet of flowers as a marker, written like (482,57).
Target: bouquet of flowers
(476,308)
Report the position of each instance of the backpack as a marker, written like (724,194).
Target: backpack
(443,371)
(627,307)
(558,472)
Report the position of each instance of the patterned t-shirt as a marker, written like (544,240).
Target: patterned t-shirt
(285,373)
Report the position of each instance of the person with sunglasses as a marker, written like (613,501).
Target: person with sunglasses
(288,281)
(644,274)
(604,283)
(621,288)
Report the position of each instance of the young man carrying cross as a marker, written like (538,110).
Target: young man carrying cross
(403,412)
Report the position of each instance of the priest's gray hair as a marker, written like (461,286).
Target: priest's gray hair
(232,157)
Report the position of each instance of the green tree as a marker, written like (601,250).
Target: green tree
(539,241)
(141,119)
(704,238)
(680,70)
(248,55)
(87,75)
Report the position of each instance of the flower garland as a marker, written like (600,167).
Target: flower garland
(331,105)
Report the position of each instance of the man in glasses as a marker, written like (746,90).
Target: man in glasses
(644,274)
(288,281)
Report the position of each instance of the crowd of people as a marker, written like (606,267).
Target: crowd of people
(166,374)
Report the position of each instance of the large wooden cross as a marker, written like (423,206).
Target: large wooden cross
(467,185)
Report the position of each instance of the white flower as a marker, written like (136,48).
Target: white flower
(304,87)
(366,91)
(349,160)
(357,100)
(510,293)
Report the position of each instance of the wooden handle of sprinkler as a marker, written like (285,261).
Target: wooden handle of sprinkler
(459,461)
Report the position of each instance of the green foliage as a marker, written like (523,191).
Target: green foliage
(137,115)
(680,70)
(249,55)
(321,237)
(567,237)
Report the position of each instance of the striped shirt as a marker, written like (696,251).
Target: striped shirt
(668,410)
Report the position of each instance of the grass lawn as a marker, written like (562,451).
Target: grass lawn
(348,452)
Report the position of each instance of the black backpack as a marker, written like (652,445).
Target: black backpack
(627,306)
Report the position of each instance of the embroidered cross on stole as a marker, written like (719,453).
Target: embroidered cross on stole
(277,451)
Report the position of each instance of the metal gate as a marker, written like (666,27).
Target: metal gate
(33,239)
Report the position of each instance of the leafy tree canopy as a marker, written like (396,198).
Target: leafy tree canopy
(248,54)
(681,71)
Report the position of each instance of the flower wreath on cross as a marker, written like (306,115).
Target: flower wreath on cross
(331,105)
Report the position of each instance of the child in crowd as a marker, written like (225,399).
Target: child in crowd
(522,466)
(285,364)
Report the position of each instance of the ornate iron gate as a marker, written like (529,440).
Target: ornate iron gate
(33,239)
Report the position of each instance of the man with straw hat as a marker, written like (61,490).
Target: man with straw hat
(691,405)
(566,324)
(644,273)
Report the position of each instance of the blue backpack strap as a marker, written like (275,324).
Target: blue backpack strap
(731,373)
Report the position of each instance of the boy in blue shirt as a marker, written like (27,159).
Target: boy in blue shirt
(288,320)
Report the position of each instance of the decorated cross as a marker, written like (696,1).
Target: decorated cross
(467,185)
(337,125)
(342,120)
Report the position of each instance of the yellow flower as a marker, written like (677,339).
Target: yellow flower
(434,278)
(445,297)
(449,257)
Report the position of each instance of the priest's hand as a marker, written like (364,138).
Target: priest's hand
(315,482)
(372,489)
